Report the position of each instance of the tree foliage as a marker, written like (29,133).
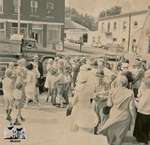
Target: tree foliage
(85,20)
(116,10)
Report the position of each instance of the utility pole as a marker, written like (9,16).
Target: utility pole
(19,6)
(81,43)
(129,34)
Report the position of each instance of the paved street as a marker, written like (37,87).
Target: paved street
(47,125)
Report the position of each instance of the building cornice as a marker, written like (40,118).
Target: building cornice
(123,15)
(30,22)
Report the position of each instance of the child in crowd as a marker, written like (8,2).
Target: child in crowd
(8,88)
(19,103)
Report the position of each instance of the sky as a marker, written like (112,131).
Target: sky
(93,7)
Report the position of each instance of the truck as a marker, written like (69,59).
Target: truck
(18,47)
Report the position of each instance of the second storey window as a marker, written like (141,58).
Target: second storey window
(1,6)
(15,4)
(34,7)
(115,25)
(102,27)
(135,24)
(50,6)
(124,27)
(108,27)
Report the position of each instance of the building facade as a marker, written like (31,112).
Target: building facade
(75,31)
(40,19)
(128,30)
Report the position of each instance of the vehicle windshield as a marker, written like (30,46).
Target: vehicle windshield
(29,43)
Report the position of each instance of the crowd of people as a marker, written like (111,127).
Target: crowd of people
(23,83)
(100,97)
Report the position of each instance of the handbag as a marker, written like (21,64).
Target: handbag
(69,110)
(106,110)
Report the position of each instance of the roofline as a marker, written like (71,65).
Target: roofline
(86,29)
(31,22)
(123,15)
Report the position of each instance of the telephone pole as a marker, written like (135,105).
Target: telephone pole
(19,5)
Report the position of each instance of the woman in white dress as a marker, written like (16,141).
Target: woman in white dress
(8,88)
(83,116)
(30,87)
(47,85)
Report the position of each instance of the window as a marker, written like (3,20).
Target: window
(1,6)
(124,25)
(15,5)
(50,6)
(135,24)
(1,26)
(134,40)
(115,25)
(108,27)
(114,39)
(54,34)
(123,40)
(23,29)
(34,7)
(102,27)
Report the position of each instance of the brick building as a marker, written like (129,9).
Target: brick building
(40,19)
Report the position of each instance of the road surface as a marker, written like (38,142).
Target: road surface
(48,125)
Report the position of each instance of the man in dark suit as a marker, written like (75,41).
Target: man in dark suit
(40,80)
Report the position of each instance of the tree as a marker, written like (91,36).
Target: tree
(116,10)
(85,20)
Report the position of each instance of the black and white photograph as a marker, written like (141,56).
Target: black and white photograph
(74,72)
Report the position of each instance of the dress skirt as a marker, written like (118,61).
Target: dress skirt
(142,128)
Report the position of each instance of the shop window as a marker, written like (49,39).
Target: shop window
(54,34)
(23,29)
(1,26)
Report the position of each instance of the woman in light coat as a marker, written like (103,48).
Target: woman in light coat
(120,117)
